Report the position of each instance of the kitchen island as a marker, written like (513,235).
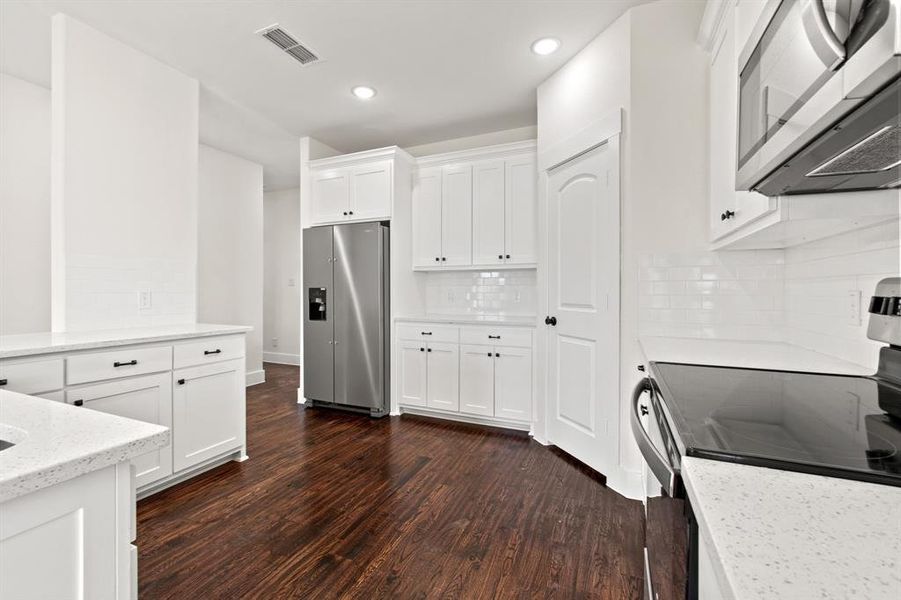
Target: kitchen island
(67,499)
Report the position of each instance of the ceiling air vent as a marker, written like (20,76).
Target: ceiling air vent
(288,44)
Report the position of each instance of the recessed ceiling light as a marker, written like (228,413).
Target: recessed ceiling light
(545,46)
(363,92)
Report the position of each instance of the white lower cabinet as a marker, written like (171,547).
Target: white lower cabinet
(412,373)
(474,380)
(207,412)
(443,377)
(148,399)
(477,380)
(70,540)
(513,383)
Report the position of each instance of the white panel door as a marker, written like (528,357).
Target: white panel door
(427,219)
(370,197)
(148,399)
(583,296)
(443,380)
(477,380)
(208,412)
(488,213)
(412,376)
(521,212)
(331,195)
(513,383)
(456,216)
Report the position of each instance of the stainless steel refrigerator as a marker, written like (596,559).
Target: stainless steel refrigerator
(346,317)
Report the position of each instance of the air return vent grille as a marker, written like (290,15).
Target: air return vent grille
(289,44)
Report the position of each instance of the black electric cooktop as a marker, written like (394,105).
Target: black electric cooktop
(841,426)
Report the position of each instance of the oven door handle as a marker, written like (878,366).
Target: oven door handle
(657,462)
(822,37)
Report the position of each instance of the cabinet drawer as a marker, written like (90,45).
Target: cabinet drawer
(503,336)
(32,376)
(429,332)
(209,350)
(124,362)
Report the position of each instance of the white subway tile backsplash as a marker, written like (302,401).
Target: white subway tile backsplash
(505,292)
(798,295)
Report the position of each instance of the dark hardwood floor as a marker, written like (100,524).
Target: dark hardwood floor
(333,505)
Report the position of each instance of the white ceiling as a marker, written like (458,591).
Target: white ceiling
(443,68)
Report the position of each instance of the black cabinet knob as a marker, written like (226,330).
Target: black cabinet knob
(3,382)
(181,382)
(437,259)
(508,256)
(727,215)
(78,403)
(501,256)
(422,349)
(644,409)
(443,258)
(641,368)
(345,213)
(552,321)
(497,355)
(429,350)
(489,355)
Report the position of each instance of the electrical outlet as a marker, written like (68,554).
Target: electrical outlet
(517,297)
(275,342)
(451,296)
(854,308)
(291,282)
(145,300)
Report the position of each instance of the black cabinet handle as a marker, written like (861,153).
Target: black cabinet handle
(644,409)
(216,351)
(727,215)
(125,364)
(494,337)
(181,382)
(426,332)
(550,321)
(3,382)
(78,403)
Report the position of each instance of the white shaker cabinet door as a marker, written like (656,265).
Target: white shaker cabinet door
(443,380)
(456,216)
(477,380)
(521,212)
(427,219)
(513,383)
(371,192)
(208,412)
(331,195)
(488,213)
(147,398)
(412,376)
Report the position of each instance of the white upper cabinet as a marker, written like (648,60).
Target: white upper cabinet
(456,216)
(521,211)
(484,202)
(357,187)
(488,213)
(427,219)
(749,220)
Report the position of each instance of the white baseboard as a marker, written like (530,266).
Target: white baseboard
(255,377)
(281,358)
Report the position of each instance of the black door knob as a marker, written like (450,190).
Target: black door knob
(552,321)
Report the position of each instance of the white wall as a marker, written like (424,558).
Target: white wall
(505,136)
(123,184)
(230,248)
(648,64)
(24,206)
(281,277)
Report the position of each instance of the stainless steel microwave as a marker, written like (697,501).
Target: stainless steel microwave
(820,98)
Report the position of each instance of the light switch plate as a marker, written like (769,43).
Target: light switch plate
(854,308)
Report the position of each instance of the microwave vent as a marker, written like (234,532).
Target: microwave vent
(877,152)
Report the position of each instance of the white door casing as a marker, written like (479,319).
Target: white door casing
(583,283)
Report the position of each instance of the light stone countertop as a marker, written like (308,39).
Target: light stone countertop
(510,320)
(749,355)
(780,534)
(55,442)
(29,344)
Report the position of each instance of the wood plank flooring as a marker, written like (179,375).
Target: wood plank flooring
(334,505)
